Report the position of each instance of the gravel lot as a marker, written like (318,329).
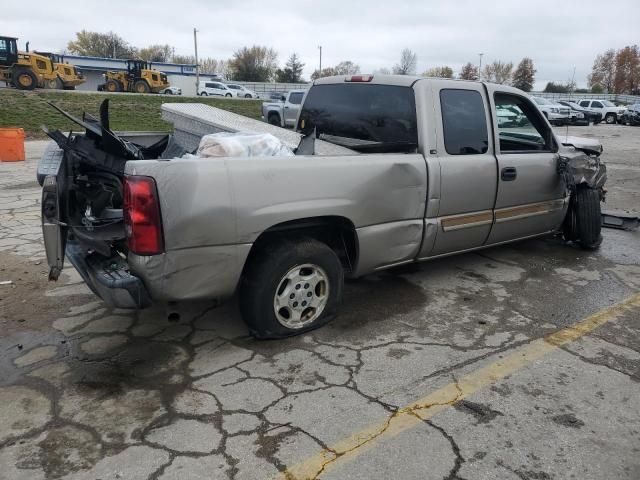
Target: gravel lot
(518,362)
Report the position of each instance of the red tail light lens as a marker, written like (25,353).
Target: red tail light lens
(359,78)
(142,221)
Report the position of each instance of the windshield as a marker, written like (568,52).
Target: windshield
(364,117)
(540,101)
(607,103)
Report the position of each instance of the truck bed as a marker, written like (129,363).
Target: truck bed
(193,120)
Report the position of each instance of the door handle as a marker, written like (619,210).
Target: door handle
(507,174)
(286,108)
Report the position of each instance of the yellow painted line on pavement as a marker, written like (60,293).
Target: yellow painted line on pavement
(413,414)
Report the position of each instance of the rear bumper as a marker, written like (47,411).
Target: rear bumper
(108,278)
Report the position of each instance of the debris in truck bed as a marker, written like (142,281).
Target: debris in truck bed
(226,144)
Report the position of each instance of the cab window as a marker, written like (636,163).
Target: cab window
(296,98)
(209,85)
(521,127)
(464,122)
(597,105)
(584,103)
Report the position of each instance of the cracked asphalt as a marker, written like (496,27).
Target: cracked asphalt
(469,367)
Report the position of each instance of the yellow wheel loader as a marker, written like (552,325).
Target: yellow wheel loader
(68,77)
(24,70)
(139,78)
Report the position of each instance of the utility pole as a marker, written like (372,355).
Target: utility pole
(195,45)
(480,67)
(320,70)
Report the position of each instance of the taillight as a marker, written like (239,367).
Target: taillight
(142,219)
(359,78)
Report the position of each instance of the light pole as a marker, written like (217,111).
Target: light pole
(320,70)
(195,44)
(480,66)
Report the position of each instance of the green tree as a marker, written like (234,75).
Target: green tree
(292,71)
(253,64)
(346,67)
(156,53)
(553,87)
(469,72)
(95,44)
(525,75)
(439,72)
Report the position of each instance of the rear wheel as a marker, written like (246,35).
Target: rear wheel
(204,94)
(168,92)
(141,86)
(290,288)
(228,95)
(584,219)
(248,95)
(24,79)
(112,86)
(610,118)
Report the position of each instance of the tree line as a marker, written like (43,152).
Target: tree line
(616,71)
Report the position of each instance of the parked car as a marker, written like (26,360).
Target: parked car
(284,111)
(172,91)
(241,91)
(631,115)
(609,111)
(556,114)
(219,89)
(428,172)
(580,116)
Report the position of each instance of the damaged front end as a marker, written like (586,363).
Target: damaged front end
(581,165)
(82,204)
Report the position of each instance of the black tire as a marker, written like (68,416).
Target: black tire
(248,95)
(204,94)
(168,92)
(267,271)
(610,119)
(141,86)
(584,219)
(228,95)
(274,119)
(24,79)
(112,86)
(70,87)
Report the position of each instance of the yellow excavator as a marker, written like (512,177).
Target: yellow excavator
(139,78)
(24,70)
(68,76)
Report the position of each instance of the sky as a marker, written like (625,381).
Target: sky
(558,35)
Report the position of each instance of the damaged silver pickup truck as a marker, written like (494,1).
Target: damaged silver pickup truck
(426,171)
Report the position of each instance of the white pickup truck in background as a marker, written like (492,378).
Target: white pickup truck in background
(283,112)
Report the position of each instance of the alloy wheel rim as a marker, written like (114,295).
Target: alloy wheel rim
(301,296)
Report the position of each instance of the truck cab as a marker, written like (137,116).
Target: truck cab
(284,111)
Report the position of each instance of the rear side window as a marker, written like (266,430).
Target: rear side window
(364,117)
(584,103)
(596,105)
(209,85)
(296,98)
(464,122)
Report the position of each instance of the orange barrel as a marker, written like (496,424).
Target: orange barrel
(11,145)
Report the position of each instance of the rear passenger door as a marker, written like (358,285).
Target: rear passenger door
(531,194)
(467,167)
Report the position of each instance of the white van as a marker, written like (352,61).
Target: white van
(210,87)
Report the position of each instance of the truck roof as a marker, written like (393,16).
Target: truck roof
(403,81)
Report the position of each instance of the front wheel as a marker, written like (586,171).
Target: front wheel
(610,118)
(204,94)
(290,288)
(248,95)
(584,219)
(228,95)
